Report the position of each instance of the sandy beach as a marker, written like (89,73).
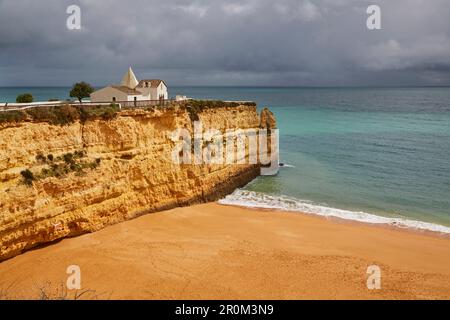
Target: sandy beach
(213,251)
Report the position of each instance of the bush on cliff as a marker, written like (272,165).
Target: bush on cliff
(193,107)
(60,166)
(65,114)
(28,177)
(79,154)
(41,114)
(41,158)
(109,113)
(58,115)
(68,158)
(95,112)
(200,105)
(12,116)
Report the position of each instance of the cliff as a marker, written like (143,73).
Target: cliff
(86,175)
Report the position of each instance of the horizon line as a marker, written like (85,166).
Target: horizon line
(258,86)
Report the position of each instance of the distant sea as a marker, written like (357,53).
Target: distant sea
(379,155)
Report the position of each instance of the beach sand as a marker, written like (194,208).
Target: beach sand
(213,251)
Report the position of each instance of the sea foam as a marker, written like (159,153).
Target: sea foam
(252,199)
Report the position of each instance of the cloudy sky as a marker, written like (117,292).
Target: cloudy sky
(226,42)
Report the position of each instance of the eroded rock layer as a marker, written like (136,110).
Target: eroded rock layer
(135,174)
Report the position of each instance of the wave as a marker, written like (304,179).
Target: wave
(286,165)
(252,199)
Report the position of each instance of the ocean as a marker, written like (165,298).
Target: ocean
(378,155)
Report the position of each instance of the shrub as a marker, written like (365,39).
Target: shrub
(41,114)
(76,167)
(95,112)
(68,158)
(108,114)
(92,165)
(200,105)
(61,115)
(84,115)
(12,116)
(28,177)
(79,154)
(194,107)
(50,157)
(65,114)
(41,158)
(193,113)
(24,98)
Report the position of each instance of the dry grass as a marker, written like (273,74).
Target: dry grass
(48,291)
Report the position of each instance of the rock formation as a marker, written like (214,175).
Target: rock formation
(135,175)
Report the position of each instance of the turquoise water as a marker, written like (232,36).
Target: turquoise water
(384,151)
(39,94)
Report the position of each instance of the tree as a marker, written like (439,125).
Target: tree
(81,90)
(24,98)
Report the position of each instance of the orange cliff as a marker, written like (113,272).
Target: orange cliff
(134,173)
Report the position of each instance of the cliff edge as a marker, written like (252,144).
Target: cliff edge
(64,180)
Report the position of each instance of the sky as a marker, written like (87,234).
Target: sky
(226,42)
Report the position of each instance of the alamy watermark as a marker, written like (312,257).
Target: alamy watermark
(374,279)
(234,146)
(73,21)
(74,279)
(374,20)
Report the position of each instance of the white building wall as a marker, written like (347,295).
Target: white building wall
(138,98)
(153,94)
(107,94)
(145,93)
(162,90)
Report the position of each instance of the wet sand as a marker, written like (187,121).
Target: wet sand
(212,251)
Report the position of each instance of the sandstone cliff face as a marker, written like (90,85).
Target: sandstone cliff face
(136,174)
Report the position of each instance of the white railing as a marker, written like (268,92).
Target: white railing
(122,104)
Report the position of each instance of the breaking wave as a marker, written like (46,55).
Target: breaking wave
(252,199)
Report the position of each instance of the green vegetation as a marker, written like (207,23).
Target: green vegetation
(62,114)
(28,177)
(12,116)
(41,158)
(205,104)
(24,98)
(81,90)
(102,112)
(60,166)
(194,107)
(66,114)
(59,115)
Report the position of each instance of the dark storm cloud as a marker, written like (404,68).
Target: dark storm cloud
(246,42)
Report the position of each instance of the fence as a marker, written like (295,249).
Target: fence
(144,103)
(122,104)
